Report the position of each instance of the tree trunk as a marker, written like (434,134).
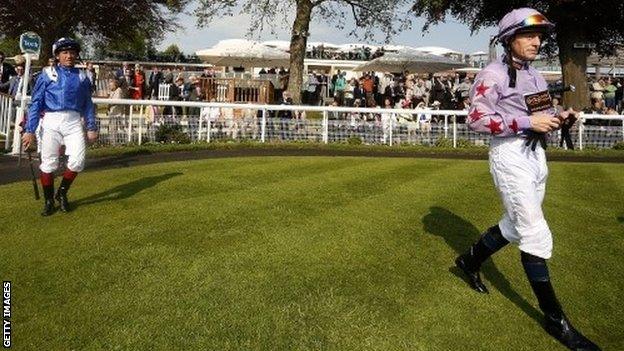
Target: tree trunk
(573,65)
(298,44)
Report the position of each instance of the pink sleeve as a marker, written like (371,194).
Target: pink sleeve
(485,116)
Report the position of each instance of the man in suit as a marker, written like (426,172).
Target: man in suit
(153,81)
(16,82)
(6,72)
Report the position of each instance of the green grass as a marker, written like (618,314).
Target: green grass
(291,253)
(382,150)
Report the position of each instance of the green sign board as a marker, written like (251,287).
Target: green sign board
(30,43)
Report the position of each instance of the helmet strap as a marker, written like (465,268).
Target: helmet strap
(511,70)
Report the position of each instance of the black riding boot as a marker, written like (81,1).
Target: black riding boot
(61,195)
(470,262)
(555,321)
(48,205)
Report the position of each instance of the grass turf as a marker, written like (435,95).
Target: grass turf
(290,253)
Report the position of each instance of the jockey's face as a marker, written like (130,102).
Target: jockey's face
(525,46)
(67,58)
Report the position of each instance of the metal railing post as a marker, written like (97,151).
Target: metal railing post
(199,131)
(7,141)
(141,124)
(580,130)
(390,133)
(263,125)
(445,126)
(19,117)
(130,126)
(325,127)
(454,132)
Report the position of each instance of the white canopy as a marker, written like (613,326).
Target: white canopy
(278,44)
(355,46)
(392,47)
(244,53)
(411,60)
(437,50)
(479,53)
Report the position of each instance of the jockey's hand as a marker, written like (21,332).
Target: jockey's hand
(29,140)
(544,122)
(92,136)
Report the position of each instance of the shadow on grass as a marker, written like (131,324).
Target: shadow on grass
(126,190)
(459,234)
(621,219)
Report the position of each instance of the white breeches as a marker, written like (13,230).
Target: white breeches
(62,128)
(520,177)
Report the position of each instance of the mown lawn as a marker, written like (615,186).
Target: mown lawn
(302,253)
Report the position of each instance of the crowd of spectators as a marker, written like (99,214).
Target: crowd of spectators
(360,53)
(406,90)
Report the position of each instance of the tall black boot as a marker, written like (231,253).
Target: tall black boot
(61,195)
(555,321)
(470,262)
(48,205)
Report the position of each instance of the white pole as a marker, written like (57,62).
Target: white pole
(8,125)
(209,127)
(199,132)
(130,126)
(454,132)
(263,127)
(445,126)
(141,124)
(391,127)
(580,130)
(325,127)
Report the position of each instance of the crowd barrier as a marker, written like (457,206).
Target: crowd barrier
(143,120)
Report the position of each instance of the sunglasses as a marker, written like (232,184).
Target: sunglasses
(535,20)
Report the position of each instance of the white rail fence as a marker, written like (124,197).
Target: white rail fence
(6,117)
(139,121)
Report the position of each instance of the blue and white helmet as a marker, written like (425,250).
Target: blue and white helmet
(65,44)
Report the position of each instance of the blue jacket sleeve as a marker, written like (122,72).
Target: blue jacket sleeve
(37,104)
(88,109)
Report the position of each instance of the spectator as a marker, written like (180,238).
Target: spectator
(155,78)
(597,89)
(115,92)
(195,94)
(619,94)
(122,70)
(339,88)
(16,82)
(6,72)
(176,94)
(137,89)
(91,76)
(312,89)
(463,89)
(209,73)
(387,120)
(368,86)
(348,92)
(609,94)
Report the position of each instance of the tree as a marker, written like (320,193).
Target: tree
(368,15)
(132,48)
(97,21)
(578,21)
(9,45)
